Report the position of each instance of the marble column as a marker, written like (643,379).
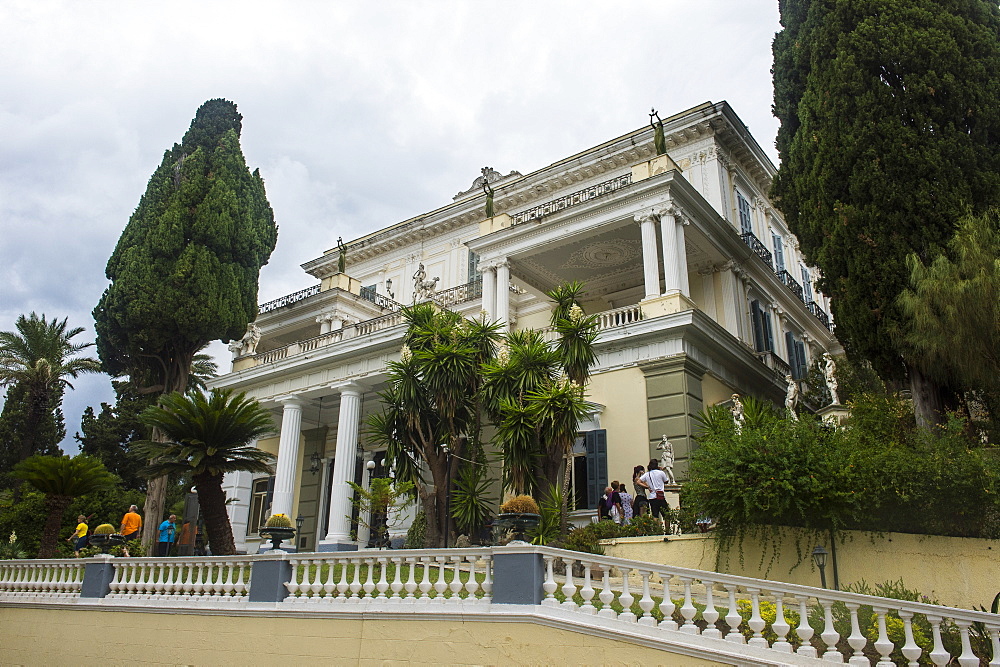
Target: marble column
(671,267)
(289,456)
(503,295)
(650,258)
(682,260)
(338,536)
(489,291)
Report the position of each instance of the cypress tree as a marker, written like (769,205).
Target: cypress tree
(890,132)
(185,270)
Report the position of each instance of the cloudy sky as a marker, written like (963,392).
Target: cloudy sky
(358,114)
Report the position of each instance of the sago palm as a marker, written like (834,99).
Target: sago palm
(61,479)
(39,357)
(206,436)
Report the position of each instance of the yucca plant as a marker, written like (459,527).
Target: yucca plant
(470,498)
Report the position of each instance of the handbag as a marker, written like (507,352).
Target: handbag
(660,496)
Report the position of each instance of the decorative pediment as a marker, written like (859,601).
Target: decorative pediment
(489,175)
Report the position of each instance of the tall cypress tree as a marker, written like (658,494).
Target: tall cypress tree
(890,132)
(185,270)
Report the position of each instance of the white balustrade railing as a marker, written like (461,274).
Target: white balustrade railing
(619,317)
(184,579)
(440,576)
(40,579)
(853,628)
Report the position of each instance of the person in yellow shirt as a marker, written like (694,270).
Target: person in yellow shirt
(131,524)
(80,535)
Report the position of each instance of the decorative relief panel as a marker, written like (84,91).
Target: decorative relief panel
(604,254)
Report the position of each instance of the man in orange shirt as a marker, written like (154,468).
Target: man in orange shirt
(131,524)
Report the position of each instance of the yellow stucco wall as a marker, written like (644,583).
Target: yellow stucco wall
(713,391)
(957,571)
(33,636)
(624,393)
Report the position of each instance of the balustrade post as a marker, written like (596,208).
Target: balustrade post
(517,576)
(97,577)
(268,575)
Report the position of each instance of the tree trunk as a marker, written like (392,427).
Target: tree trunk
(928,399)
(427,500)
(178,369)
(567,478)
(212,501)
(56,505)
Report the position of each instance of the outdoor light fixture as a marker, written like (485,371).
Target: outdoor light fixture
(371,466)
(315,462)
(819,557)
(388,288)
(299,520)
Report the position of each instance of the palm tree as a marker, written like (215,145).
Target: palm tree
(61,479)
(207,436)
(39,358)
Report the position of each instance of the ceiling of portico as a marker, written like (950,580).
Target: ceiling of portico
(606,262)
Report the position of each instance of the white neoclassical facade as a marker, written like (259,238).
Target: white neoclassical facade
(700,288)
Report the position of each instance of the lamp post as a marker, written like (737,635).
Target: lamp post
(299,520)
(373,522)
(819,557)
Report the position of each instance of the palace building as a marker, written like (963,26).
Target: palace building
(699,286)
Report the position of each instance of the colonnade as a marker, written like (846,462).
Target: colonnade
(338,531)
(675,269)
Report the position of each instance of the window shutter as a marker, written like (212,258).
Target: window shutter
(779,253)
(756,319)
(597,466)
(768,332)
(800,353)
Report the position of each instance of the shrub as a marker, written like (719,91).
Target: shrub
(416,536)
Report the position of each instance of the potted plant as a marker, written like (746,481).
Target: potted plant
(105,536)
(278,527)
(519,514)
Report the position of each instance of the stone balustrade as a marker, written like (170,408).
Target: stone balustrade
(182,579)
(40,579)
(716,614)
(459,575)
(709,604)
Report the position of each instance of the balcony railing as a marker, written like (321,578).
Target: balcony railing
(819,313)
(288,299)
(786,278)
(775,363)
(458,295)
(758,247)
(578,197)
(618,317)
(383,302)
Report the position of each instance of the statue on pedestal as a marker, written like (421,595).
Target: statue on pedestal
(829,372)
(490,212)
(659,138)
(423,288)
(342,258)
(738,415)
(667,459)
(248,344)
(792,396)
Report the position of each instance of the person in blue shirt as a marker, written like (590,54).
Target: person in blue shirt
(167,532)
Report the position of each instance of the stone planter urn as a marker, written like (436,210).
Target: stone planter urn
(277,534)
(518,522)
(105,542)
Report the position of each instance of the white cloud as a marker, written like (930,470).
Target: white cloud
(358,115)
